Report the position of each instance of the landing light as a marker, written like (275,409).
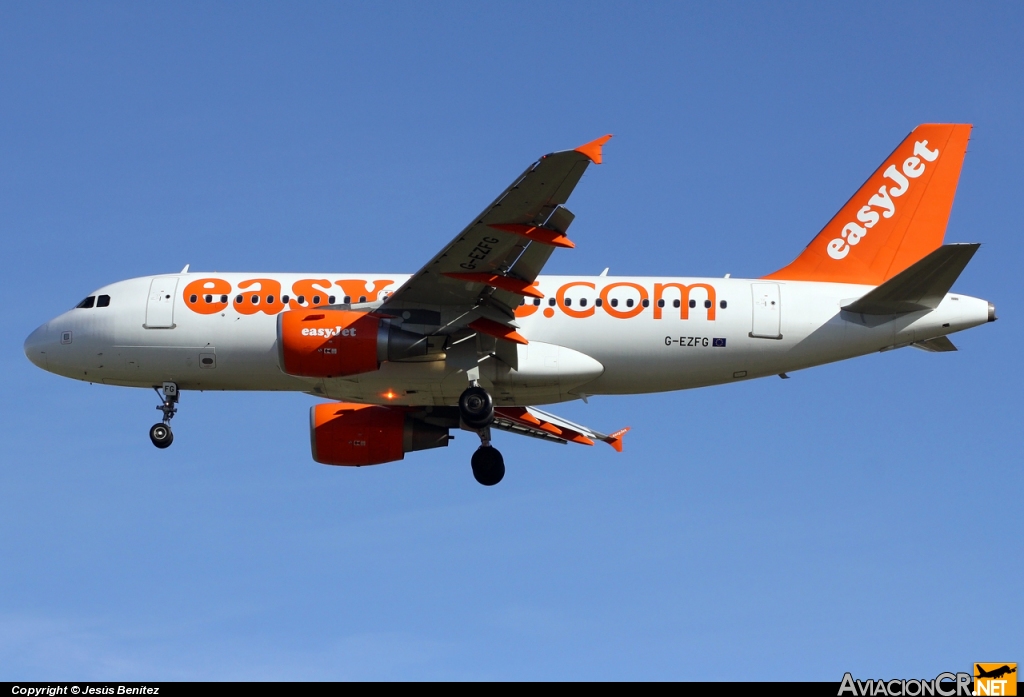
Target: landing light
(390,394)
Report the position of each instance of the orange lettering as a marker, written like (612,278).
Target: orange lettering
(267,297)
(356,289)
(632,312)
(684,298)
(560,297)
(197,292)
(309,287)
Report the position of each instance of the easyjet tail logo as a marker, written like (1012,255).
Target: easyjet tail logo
(883,204)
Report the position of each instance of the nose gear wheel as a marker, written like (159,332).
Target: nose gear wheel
(160,433)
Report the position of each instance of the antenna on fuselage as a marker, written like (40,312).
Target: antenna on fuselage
(605,272)
(185,270)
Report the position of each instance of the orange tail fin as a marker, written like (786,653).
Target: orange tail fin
(895,219)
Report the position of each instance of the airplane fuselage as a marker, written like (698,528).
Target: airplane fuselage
(587,336)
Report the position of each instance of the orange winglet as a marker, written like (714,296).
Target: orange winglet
(497,330)
(550,428)
(615,439)
(593,148)
(512,285)
(540,234)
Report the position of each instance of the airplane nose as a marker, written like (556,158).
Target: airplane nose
(37,344)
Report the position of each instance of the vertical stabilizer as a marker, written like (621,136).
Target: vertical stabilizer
(896,218)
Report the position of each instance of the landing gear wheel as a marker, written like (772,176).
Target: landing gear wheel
(476,408)
(488,465)
(161,435)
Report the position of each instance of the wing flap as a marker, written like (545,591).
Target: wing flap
(529,421)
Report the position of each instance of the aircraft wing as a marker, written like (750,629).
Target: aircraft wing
(482,275)
(528,421)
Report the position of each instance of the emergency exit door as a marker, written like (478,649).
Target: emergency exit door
(160,306)
(767,320)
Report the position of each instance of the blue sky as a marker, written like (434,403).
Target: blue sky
(857,517)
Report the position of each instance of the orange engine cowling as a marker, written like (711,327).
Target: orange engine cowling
(367,434)
(335,343)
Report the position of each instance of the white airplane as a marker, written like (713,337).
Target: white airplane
(477,337)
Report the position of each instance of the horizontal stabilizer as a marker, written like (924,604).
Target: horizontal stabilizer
(940,344)
(921,286)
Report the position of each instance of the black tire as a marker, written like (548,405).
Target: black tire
(488,465)
(161,435)
(476,408)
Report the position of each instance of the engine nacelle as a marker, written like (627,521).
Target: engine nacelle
(367,434)
(336,343)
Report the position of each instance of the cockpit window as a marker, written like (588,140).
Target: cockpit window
(103,301)
(88,302)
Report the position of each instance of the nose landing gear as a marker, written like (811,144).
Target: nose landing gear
(476,409)
(160,433)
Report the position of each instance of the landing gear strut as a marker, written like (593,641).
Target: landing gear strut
(160,433)
(476,409)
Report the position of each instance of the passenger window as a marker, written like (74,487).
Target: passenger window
(103,301)
(693,303)
(301,300)
(723,304)
(707,304)
(223,298)
(270,299)
(675,303)
(629,302)
(583,302)
(615,302)
(598,302)
(330,300)
(568,302)
(239,299)
(362,298)
(208,298)
(347,300)
(87,303)
(316,299)
(192,298)
(522,301)
(661,303)
(255,300)
(284,299)
(645,302)
(551,302)
(536,301)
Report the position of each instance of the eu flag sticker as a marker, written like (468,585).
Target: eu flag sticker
(718,343)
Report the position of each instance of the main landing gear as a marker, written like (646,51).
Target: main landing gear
(476,409)
(160,433)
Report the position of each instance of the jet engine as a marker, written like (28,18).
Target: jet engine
(366,434)
(335,343)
